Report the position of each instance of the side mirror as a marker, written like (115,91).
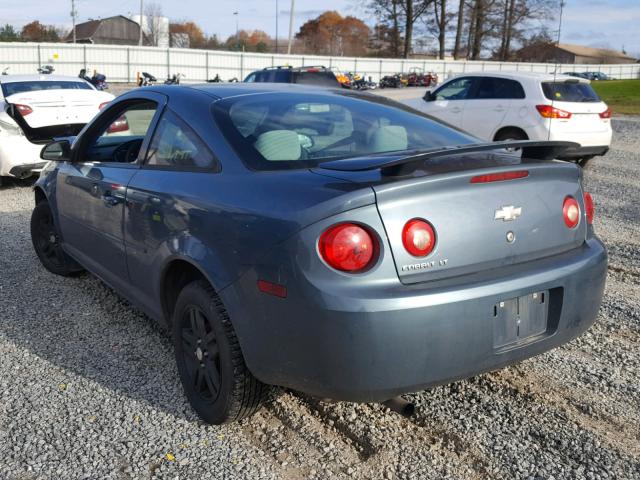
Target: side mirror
(59,151)
(429,96)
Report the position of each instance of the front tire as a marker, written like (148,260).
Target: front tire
(211,366)
(46,242)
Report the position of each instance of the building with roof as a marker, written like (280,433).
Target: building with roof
(567,53)
(118,30)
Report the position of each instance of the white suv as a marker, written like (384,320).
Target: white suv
(520,106)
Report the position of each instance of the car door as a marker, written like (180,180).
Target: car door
(447,103)
(164,211)
(487,106)
(91,188)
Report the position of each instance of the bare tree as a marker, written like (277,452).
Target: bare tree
(442,19)
(459,29)
(388,13)
(153,14)
(412,12)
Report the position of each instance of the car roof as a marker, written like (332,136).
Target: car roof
(228,90)
(538,76)
(38,78)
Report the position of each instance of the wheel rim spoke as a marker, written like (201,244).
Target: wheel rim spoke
(212,378)
(189,340)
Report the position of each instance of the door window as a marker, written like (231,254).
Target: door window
(498,88)
(120,138)
(176,145)
(455,90)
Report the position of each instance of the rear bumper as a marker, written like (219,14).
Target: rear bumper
(19,157)
(407,338)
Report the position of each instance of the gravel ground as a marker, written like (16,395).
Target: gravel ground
(89,388)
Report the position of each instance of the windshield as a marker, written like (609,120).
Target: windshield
(12,88)
(278,130)
(569,92)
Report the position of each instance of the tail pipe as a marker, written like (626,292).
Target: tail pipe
(401,406)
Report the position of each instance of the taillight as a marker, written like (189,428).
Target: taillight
(547,111)
(418,237)
(102,105)
(590,209)
(571,212)
(119,125)
(499,177)
(24,109)
(347,247)
(606,114)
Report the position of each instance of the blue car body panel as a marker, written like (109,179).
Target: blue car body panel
(360,337)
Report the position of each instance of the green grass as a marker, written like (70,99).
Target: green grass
(623,96)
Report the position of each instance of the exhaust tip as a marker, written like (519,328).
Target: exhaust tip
(400,405)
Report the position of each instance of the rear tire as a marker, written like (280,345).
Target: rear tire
(46,242)
(211,366)
(510,134)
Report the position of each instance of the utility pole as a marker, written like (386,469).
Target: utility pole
(293,2)
(235,14)
(141,10)
(74,14)
(277,26)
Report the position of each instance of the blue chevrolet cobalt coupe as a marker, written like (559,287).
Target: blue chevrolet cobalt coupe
(331,242)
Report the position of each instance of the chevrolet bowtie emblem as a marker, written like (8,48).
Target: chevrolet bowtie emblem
(508,213)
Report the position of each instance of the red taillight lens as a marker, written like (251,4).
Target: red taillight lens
(571,212)
(119,125)
(418,237)
(606,114)
(24,109)
(347,247)
(590,209)
(547,111)
(499,177)
(102,105)
(271,288)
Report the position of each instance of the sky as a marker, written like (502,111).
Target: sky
(601,23)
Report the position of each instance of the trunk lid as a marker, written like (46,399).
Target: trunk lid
(59,107)
(469,218)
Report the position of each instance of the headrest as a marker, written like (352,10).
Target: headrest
(388,138)
(279,145)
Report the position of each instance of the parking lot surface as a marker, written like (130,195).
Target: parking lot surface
(89,388)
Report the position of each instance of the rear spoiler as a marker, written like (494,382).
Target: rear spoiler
(533,150)
(43,135)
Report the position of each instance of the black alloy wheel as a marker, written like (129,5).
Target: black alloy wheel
(201,353)
(46,242)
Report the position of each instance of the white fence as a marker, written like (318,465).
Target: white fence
(121,63)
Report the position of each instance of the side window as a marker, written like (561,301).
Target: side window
(455,90)
(120,139)
(176,145)
(496,88)
(251,78)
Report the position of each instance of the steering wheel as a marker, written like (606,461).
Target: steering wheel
(128,151)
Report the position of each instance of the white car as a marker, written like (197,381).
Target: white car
(49,105)
(519,106)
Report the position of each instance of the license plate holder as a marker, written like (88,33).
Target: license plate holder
(521,318)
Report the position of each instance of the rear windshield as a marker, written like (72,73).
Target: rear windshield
(324,79)
(569,92)
(12,88)
(301,130)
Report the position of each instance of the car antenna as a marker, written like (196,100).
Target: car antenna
(555,70)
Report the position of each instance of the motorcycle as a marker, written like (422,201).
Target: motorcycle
(98,80)
(174,80)
(46,69)
(215,79)
(392,81)
(6,71)
(146,79)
